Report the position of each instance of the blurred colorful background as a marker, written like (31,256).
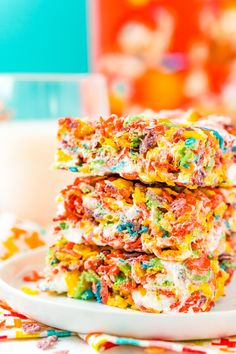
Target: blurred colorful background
(165,53)
(154,53)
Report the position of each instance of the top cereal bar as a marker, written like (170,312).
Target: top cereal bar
(171,147)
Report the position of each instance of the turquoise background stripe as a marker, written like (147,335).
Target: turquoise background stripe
(43,36)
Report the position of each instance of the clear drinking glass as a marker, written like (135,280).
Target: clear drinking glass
(29,108)
(49,96)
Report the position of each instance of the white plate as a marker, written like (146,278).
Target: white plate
(86,317)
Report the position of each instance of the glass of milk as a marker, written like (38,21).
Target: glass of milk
(28,186)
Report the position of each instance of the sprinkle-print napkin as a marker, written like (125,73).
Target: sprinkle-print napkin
(20,236)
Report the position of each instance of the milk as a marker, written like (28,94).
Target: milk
(28,186)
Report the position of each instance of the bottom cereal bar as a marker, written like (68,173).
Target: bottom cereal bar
(133,280)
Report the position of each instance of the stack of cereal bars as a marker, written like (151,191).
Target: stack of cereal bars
(149,222)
